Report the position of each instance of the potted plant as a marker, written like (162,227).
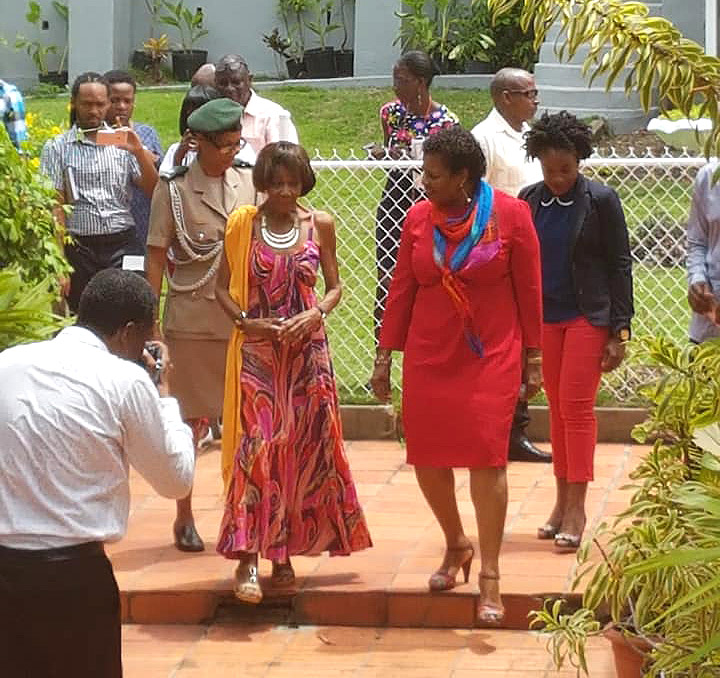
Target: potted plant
(344,57)
(295,51)
(320,61)
(157,51)
(417,29)
(655,578)
(472,42)
(39,52)
(189,25)
(140,58)
(278,44)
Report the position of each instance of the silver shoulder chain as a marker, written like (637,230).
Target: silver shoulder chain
(194,250)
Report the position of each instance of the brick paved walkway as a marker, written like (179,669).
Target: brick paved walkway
(231,651)
(383,586)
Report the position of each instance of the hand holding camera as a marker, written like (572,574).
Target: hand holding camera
(156,360)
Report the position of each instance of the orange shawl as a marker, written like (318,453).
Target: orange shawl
(238,235)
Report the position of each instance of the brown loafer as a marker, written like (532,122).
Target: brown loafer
(187,538)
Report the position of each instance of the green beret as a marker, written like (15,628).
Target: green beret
(217,115)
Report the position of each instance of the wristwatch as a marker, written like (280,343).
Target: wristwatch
(623,334)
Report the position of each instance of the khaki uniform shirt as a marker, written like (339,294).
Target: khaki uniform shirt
(207,203)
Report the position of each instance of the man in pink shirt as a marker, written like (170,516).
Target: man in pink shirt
(264,121)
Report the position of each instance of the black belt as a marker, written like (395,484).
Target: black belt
(116,238)
(86,550)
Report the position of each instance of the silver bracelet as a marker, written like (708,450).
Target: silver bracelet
(239,322)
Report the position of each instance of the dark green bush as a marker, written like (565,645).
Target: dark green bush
(513,46)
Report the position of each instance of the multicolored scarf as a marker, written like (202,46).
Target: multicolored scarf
(466,231)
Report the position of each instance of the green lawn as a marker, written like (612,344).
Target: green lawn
(326,119)
(344,119)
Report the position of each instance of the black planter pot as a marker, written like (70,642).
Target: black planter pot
(344,63)
(296,69)
(186,63)
(478,67)
(59,79)
(320,63)
(140,60)
(446,66)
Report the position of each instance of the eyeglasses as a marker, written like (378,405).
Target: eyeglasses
(529,93)
(228,148)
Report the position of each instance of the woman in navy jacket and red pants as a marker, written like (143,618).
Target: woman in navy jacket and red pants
(587,306)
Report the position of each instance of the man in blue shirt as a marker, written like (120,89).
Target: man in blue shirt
(12,111)
(122,105)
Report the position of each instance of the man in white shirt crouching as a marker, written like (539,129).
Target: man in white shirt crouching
(75,412)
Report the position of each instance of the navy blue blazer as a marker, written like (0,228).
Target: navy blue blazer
(600,262)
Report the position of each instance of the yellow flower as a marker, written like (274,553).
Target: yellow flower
(55,130)
(35,163)
(30,119)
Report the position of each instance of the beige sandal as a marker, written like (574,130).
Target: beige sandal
(247,584)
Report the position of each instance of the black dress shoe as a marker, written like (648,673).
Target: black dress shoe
(522,449)
(187,538)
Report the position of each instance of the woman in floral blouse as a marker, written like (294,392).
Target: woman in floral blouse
(413,115)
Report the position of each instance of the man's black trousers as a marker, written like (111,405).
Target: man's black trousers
(59,614)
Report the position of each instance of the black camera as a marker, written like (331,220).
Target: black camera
(156,352)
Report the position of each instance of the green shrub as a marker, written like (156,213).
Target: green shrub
(25,313)
(513,46)
(28,228)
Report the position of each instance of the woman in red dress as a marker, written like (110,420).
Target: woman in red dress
(465,308)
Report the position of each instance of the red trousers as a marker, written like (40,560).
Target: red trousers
(572,352)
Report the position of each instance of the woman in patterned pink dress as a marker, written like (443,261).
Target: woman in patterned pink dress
(290,491)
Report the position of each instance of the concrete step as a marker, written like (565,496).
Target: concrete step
(584,97)
(571,75)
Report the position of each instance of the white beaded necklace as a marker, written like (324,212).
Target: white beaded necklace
(280,241)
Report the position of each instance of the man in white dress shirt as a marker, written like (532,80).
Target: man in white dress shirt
(263,121)
(75,412)
(501,137)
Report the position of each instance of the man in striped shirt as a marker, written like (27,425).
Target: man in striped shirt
(95,179)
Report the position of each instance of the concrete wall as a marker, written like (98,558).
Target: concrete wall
(237,26)
(17,67)
(105,32)
(94,35)
(690,23)
(377,28)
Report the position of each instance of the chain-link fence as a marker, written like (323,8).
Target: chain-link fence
(369,197)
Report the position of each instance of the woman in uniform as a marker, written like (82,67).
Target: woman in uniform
(187,222)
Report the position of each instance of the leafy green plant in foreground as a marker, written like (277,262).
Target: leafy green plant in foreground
(654,570)
(28,230)
(25,313)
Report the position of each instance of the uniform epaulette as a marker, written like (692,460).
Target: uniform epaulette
(241,164)
(175,172)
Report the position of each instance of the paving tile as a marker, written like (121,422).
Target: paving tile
(409,545)
(259,650)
